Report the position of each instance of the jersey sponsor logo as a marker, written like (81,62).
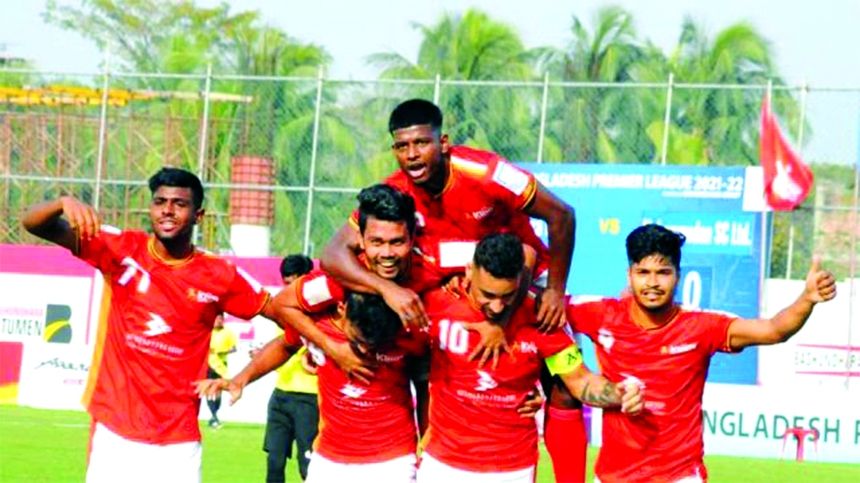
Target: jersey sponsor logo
(511,178)
(605,339)
(156,326)
(389,358)
(677,348)
(352,391)
(316,291)
(526,347)
(485,381)
(201,296)
(482,213)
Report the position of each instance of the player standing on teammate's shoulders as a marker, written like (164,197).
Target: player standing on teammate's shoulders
(460,194)
(648,338)
(164,295)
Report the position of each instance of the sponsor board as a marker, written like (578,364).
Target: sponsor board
(751,421)
(50,308)
(54,376)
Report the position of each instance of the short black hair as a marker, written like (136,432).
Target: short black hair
(501,254)
(415,112)
(385,203)
(178,178)
(654,239)
(373,318)
(297,265)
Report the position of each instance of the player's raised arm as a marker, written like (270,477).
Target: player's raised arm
(561,222)
(820,287)
(286,311)
(61,220)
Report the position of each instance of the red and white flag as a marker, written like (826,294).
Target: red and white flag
(787,180)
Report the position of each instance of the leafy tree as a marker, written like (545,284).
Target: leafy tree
(596,124)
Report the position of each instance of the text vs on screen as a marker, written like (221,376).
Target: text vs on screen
(610,225)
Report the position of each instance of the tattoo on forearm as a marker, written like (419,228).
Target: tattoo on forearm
(604,398)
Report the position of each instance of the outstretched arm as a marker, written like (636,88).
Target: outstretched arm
(820,287)
(592,389)
(58,220)
(286,311)
(338,258)
(272,356)
(561,222)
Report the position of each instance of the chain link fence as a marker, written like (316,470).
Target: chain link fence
(99,137)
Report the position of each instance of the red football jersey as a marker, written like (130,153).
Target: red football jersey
(664,443)
(474,424)
(484,194)
(361,423)
(153,336)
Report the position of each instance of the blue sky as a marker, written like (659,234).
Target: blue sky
(814,42)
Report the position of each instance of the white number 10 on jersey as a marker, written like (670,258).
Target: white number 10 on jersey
(453,337)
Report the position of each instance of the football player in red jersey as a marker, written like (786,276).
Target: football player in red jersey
(464,194)
(367,430)
(460,193)
(646,337)
(475,433)
(162,295)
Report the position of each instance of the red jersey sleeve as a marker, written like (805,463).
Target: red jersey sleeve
(503,181)
(245,297)
(552,342)
(317,291)
(715,326)
(100,250)
(292,337)
(586,317)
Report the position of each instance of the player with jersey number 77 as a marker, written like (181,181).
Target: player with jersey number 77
(162,296)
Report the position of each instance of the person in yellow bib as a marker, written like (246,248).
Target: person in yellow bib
(223,342)
(293,413)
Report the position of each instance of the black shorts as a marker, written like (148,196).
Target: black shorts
(292,416)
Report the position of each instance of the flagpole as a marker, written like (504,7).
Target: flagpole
(762,271)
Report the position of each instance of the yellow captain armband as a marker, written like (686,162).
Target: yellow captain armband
(565,361)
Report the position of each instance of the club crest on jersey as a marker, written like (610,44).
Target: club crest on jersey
(485,381)
(352,391)
(201,296)
(605,339)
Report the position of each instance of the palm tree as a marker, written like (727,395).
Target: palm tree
(474,47)
(595,123)
(719,125)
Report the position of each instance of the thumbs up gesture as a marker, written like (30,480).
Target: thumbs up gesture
(820,285)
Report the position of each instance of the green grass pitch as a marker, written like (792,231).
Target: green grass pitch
(50,446)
